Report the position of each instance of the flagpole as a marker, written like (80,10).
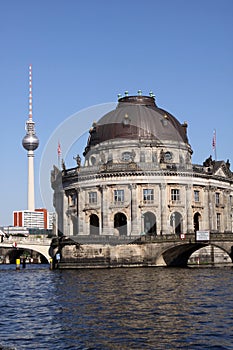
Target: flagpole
(214,145)
(215,150)
(59,155)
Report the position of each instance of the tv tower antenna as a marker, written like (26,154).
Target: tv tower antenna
(30,142)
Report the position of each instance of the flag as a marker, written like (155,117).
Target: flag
(214,140)
(59,149)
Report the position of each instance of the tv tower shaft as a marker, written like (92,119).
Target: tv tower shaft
(30,142)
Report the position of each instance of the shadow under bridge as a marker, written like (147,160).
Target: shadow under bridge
(179,255)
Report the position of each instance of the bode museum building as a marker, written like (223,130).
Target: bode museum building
(137,178)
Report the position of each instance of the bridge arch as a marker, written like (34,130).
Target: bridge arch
(12,254)
(178,254)
(44,251)
(43,248)
(211,254)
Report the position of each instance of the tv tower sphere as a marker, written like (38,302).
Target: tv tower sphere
(30,141)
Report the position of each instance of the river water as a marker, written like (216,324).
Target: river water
(127,308)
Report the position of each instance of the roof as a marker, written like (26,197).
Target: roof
(137,117)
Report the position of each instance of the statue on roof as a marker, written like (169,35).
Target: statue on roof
(208,162)
(161,156)
(63,165)
(78,160)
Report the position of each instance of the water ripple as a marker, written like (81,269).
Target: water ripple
(151,308)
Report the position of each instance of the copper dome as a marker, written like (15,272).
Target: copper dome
(137,117)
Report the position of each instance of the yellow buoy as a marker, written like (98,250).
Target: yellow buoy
(17,264)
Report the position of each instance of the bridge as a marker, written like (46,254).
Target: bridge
(164,250)
(171,250)
(105,251)
(41,245)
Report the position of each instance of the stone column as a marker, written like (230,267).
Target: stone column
(189,211)
(163,203)
(226,211)
(77,190)
(135,222)
(211,205)
(80,213)
(205,222)
(104,211)
(100,210)
(66,221)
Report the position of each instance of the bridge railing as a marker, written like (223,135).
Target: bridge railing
(26,240)
(166,238)
(227,236)
(190,237)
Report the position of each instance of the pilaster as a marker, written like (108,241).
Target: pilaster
(106,230)
(189,211)
(163,203)
(135,222)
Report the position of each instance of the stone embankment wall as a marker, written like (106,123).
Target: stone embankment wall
(94,256)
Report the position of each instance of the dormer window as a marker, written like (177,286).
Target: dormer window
(126,156)
(167,156)
(126,120)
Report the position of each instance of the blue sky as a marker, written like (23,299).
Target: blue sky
(84,53)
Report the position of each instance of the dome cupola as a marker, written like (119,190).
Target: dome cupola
(137,117)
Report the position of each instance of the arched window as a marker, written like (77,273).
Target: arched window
(150,223)
(120,223)
(196,221)
(176,222)
(94,224)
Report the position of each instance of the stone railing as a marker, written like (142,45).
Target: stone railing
(27,239)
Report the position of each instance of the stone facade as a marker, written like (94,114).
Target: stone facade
(137,178)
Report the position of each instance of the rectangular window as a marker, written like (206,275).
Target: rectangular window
(92,197)
(196,196)
(72,199)
(217,198)
(218,221)
(148,195)
(119,195)
(175,194)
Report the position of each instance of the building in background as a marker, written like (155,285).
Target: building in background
(38,218)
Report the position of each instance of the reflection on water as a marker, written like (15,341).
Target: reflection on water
(142,308)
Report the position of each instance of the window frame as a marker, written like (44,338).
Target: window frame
(196,194)
(148,195)
(217,198)
(119,196)
(92,197)
(218,221)
(175,194)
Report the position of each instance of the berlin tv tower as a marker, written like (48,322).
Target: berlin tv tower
(30,142)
